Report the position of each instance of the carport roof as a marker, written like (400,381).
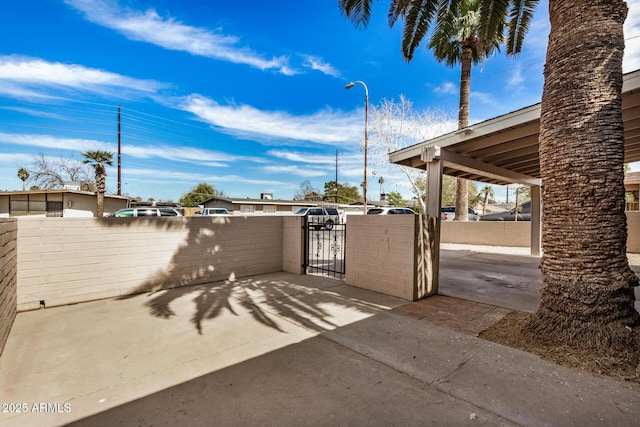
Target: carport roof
(504,150)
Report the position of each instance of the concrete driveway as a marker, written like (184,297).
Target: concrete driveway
(283,349)
(506,277)
(97,355)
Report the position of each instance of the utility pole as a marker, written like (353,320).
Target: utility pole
(119,161)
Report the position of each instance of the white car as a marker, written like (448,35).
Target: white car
(319,217)
(448,213)
(213,212)
(140,212)
(392,210)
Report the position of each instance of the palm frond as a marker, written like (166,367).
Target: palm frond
(519,19)
(492,16)
(397,10)
(358,11)
(444,41)
(98,157)
(417,21)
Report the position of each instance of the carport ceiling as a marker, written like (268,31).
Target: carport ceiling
(509,143)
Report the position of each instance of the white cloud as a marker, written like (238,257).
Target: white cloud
(516,79)
(35,113)
(169,33)
(156,176)
(25,77)
(297,156)
(295,170)
(178,154)
(350,164)
(15,158)
(47,141)
(319,64)
(324,127)
(446,88)
(483,98)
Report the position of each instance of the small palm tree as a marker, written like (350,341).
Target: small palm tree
(521,192)
(455,40)
(98,159)
(23,174)
(486,193)
(464,32)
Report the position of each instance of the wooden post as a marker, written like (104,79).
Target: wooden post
(428,238)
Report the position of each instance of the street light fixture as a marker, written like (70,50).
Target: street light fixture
(366,135)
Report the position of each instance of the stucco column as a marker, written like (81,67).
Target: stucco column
(428,234)
(536,221)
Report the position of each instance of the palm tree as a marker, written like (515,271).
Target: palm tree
(98,159)
(23,174)
(486,193)
(521,191)
(588,294)
(457,38)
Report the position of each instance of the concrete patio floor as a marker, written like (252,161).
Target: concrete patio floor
(283,349)
(504,276)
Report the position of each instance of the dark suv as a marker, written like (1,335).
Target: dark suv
(524,214)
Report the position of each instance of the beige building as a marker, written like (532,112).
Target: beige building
(56,203)
(632,185)
(266,204)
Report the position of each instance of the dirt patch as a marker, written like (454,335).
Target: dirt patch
(511,331)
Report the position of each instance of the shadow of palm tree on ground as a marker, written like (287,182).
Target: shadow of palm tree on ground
(216,290)
(263,298)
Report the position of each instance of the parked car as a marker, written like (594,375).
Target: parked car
(389,211)
(147,211)
(212,212)
(448,213)
(326,217)
(524,214)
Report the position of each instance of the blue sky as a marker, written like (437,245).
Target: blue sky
(247,96)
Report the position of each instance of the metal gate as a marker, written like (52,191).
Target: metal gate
(324,248)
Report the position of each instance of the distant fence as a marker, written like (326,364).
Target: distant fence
(518,234)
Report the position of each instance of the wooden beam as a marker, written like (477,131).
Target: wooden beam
(466,164)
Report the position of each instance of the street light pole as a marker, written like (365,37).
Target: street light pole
(366,135)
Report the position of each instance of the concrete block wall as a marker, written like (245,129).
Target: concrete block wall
(8,277)
(490,233)
(517,234)
(380,254)
(633,230)
(292,244)
(69,260)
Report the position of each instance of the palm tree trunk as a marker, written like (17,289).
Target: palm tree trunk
(587,298)
(484,202)
(462,185)
(100,206)
(101,188)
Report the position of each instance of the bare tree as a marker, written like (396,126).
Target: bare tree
(396,125)
(50,173)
